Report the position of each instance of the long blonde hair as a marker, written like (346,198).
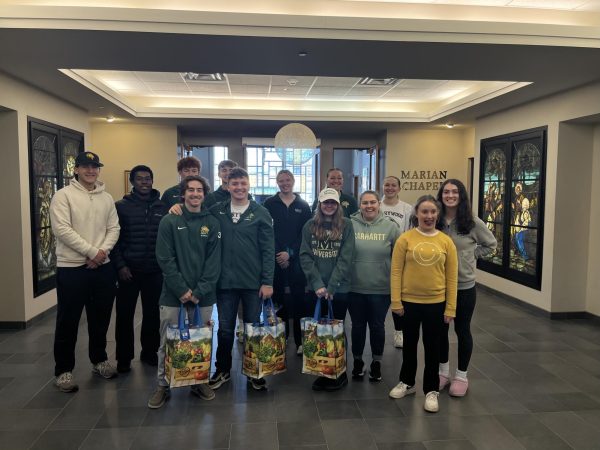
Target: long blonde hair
(337,224)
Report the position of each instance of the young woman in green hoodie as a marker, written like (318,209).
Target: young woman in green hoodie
(369,300)
(326,259)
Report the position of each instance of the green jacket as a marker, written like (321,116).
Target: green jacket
(327,263)
(348,202)
(374,242)
(248,247)
(188,251)
(172,196)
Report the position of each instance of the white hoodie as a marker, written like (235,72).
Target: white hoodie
(83,222)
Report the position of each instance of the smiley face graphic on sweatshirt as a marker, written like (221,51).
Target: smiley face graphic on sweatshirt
(427,253)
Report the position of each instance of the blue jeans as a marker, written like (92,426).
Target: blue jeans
(368,309)
(228,301)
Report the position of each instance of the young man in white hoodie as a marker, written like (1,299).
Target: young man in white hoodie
(86,227)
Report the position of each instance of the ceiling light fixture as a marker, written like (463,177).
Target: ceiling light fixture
(295,143)
(193,76)
(302,53)
(368,81)
(449,125)
(292,81)
(110,119)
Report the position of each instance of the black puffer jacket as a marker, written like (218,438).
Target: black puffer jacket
(139,219)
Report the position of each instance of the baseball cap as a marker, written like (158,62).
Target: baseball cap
(329,194)
(88,158)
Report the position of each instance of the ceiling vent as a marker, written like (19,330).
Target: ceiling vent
(367,81)
(193,76)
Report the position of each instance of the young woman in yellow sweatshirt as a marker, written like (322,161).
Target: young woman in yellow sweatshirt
(423,286)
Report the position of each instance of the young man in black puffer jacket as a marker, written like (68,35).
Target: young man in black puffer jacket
(134,258)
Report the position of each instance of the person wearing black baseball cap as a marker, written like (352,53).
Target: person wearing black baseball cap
(86,226)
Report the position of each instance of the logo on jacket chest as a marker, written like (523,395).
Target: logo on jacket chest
(204,230)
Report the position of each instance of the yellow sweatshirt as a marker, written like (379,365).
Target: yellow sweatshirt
(424,270)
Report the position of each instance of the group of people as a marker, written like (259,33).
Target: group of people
(194,247)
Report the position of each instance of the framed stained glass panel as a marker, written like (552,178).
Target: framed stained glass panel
(512,203)
(52,153)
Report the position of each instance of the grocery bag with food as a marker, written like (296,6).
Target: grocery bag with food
(323,344)
(264,345)
(188,350)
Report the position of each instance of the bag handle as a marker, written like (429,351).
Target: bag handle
(269,307)
(317,315)
(183,323)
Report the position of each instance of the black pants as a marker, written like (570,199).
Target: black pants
(149,285)
(292,305)
(76,288)
(465,305)
(398,322)
(431,318)
(368,309)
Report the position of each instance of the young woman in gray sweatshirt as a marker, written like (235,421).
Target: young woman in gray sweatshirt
(472,240)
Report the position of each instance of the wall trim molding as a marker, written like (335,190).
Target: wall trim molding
(564,315)
(22,325)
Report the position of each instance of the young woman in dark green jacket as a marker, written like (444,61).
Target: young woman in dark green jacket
(326,259)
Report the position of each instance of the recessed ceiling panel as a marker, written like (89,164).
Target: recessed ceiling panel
(156,94)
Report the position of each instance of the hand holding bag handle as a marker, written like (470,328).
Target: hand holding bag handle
(270,307)
(317,315)
(183,322)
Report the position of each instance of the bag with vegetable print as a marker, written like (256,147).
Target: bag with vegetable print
(323,344)
(264,345)
(188,350)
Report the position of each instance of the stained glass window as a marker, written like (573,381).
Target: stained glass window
(511,203)
(52,161)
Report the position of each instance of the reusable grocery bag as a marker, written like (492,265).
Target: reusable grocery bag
(264,345)
(188,351)
(323,344)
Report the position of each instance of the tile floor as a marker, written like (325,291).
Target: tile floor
(535,384)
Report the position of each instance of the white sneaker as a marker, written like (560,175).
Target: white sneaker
(65,382)
(105,370)
(431,402)
(398,339)
(402,390)
(299,350)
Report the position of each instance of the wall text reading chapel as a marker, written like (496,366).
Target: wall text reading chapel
(422,180)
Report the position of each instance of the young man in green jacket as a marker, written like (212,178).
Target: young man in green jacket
(188,251)
(186,167)
(248,259)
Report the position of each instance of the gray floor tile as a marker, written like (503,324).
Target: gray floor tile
(254,436)
(110,438)
(60,440)
(26,419)
(338,409)
(348,435)
(199,437)
(18,440)
(574,430)
(456,444)
(401,446)
(300,433)
(122,417)
(378,408)
(297,411)
(413,429)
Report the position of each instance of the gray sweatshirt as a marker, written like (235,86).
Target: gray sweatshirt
(477,243)
(373,244)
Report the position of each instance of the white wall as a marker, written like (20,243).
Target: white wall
(27,101)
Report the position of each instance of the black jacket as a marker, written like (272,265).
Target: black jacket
(288,223)
(139,219)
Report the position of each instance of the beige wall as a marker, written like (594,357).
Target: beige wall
(427,150)
(31,102)
(574,168)
(592,297)
(547,112)
(122,146)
